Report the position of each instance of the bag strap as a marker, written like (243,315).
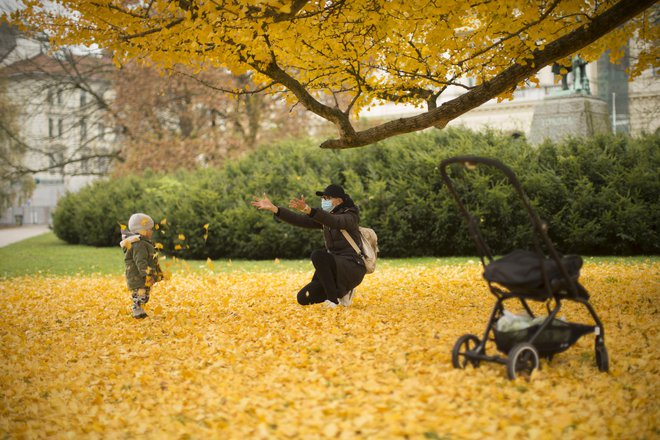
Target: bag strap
(350,241)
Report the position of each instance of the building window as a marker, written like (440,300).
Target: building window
(60,127)
(56,159)
(49,97)
(103,163)
(101,131)
(83,129)
(59,97)
(51,128)
(85,163)
(83,98)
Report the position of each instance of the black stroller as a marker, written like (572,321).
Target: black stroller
(524,275)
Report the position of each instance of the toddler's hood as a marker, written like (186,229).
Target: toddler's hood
(128,238)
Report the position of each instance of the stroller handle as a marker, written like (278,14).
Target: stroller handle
(471,162)
(541,229)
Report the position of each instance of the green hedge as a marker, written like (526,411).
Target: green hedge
(599,196)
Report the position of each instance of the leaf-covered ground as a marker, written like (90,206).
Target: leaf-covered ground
(231,355)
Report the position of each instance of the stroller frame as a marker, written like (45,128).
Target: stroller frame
(524,351)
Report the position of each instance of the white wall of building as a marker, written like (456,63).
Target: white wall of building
(56,122)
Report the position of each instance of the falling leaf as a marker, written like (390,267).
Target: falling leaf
(177,247)
(163,222)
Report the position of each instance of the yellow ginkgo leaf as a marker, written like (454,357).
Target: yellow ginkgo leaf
(177,247)
(182,237)
(231,354)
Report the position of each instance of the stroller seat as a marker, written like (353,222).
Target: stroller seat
(521,272)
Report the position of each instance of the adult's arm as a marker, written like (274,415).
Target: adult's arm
(346,220)
(301,220)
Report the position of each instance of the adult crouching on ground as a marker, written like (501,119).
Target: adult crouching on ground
(338,268)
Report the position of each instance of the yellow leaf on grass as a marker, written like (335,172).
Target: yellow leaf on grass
(232,354)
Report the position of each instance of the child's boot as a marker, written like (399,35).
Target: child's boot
(138,312)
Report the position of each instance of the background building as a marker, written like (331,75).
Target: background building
(67,134)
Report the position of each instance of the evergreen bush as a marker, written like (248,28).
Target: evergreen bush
(598,196)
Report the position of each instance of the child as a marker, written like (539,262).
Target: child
(141,260)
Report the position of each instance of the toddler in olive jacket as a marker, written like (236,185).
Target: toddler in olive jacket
(141,261)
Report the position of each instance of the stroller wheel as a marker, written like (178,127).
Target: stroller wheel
(522,360)
(602,358)
(463,349)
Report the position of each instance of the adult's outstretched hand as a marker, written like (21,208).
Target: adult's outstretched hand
(264,203)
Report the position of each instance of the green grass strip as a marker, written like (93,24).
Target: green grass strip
(47,255)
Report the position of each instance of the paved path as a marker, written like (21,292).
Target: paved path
(12,235)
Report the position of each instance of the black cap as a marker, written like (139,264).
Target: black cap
(333,191)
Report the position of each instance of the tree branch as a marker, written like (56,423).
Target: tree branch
(334,115)
(509,78)
(221,89)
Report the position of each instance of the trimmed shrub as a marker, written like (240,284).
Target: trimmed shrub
(598,196)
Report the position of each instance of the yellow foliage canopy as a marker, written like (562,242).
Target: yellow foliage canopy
(337,57)
(232,355)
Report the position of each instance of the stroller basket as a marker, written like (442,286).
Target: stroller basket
(557,337)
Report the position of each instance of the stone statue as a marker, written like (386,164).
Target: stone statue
(579,70)
(580,80)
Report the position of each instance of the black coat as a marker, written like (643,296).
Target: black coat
(350,266)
